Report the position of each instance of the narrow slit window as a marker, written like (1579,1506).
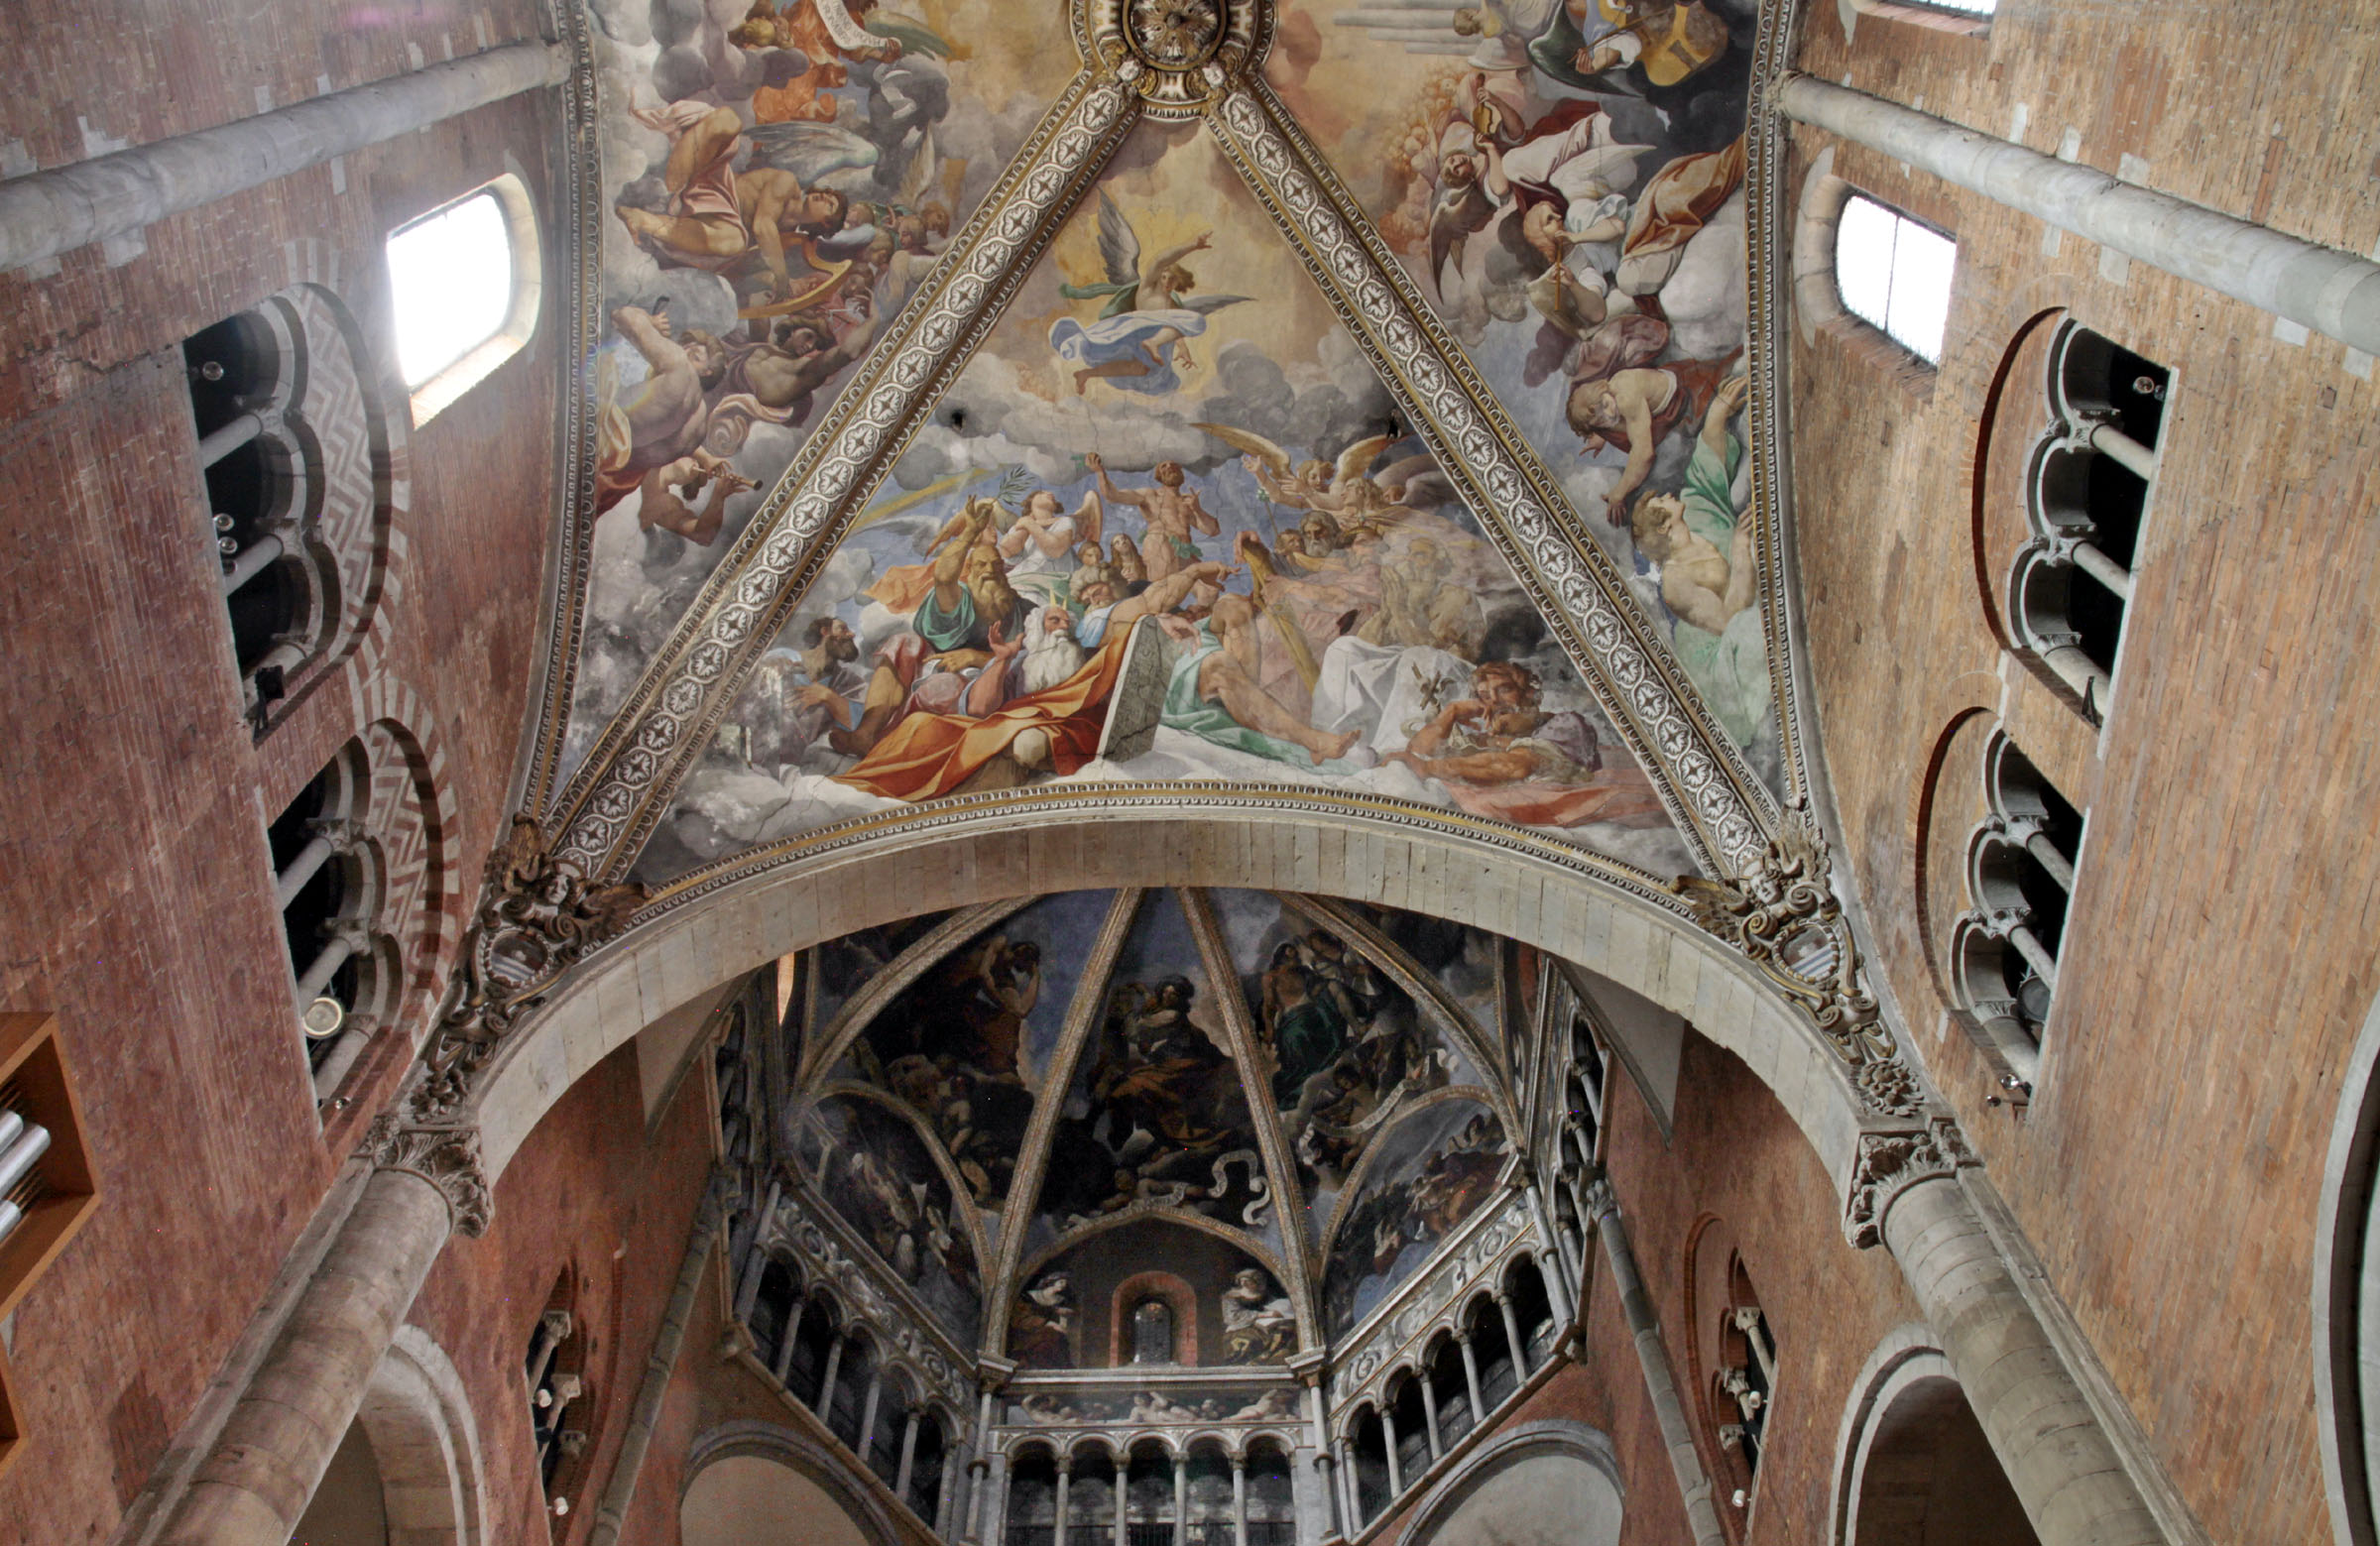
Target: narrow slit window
(463,290)
(1895,274)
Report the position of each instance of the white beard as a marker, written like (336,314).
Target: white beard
(1050,659)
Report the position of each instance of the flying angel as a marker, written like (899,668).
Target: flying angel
(1140,341)
(1344,489)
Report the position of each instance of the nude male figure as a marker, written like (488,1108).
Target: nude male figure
(719,215)
(668,492)
(1701,584)
(667,414)
(1172,512)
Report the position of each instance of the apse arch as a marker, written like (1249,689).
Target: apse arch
(1582,1506)
(1912,1465)
(736,1460)
(1603,919)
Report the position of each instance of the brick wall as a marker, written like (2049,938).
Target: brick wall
(2218,957)
(132,799)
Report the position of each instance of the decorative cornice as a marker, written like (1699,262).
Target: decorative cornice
(1890,1163)
(446,1157)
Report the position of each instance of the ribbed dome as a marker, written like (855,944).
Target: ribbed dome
(1216,1126)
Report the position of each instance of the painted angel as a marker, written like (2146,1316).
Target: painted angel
(1344,489)
(1140,341)
(1045,537)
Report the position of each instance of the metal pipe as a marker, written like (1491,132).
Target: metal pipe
(18,1160)
(46,213)
(2334,293)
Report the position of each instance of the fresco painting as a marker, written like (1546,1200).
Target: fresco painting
(844,965)
(1169,1403)
(1425,1177)
(781,176)
(1565,181)
(1166,525)
(1217,1305)
(1344,1049)
(874,1171)
(1156,1115)
(966,1046)
(1463,960)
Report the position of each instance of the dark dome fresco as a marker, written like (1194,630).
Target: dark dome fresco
(1292,1103)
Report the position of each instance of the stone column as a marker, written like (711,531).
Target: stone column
(1429,1413)
(826,1387)
(1471,1378)
(1065,1476)
(784,1349)
(621,1489)
(1558,1284)
(1351,1490)
(979,1467)
(875,1390)
(1521,1348)
(1124,1491)
(908,1457)
(1905,1195)
(1239,1500)
(1660,1381)
(991,1475)
(1397,1471)
(46,213)
(262,1466)
(2334,293)
(1181,1500)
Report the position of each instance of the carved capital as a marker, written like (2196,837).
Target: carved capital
(1890,1163)
(446,1157)
(537,916)
(1600,1199)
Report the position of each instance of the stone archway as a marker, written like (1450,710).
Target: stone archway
(1611,922)
(1915,1466)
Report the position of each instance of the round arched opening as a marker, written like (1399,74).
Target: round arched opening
(754,1500)
(1925,1473)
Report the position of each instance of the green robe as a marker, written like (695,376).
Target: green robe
(1186,710)
(1731,667)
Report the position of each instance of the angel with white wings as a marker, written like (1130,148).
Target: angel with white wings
(1045,535)
(1344,489)
(1140,341)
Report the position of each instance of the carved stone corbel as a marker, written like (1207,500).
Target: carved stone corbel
(446,1157)
(537,915)
(1891,1162)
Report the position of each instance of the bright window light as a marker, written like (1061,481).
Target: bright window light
(1896,274)
(450,277)
(1962,7)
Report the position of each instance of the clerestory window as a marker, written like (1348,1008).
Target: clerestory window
(463,289)
(1894,273)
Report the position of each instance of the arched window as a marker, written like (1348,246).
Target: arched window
(1450,1389)
(464,288)
(1272,1496)
(1031,1505)
(1895,272)
(328,877)
(297,451)
(2020,880)
(1152,1332)
(554,1371)
(1367,1447)
(2086,493)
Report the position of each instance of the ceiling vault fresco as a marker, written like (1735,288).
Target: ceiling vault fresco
(1204,355)
(631,766)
